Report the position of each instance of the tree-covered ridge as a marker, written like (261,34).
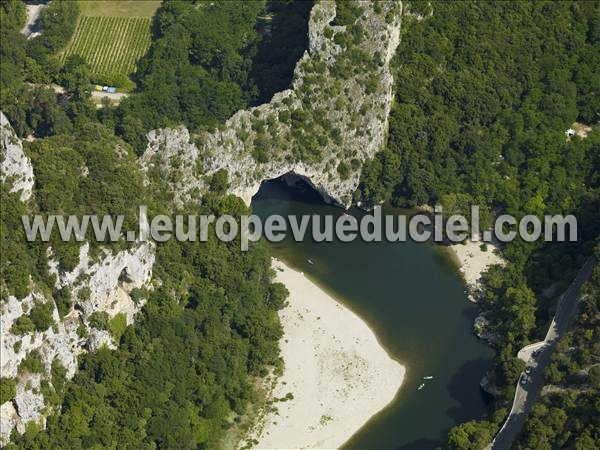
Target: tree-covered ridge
(197,71)
(207,60)
(184,371)
(29,66)
(484,95)
(331,120)
(34,59)
(89,171)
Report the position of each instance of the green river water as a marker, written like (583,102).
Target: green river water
(412,297)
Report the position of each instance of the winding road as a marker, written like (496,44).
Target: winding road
(527,394)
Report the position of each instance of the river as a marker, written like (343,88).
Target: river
(411,295)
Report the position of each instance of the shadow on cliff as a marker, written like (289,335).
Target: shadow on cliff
(290,188)
(284,29)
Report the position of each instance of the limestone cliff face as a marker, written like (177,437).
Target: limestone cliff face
(102,284)
(59,343)
(332,119)
(14,165)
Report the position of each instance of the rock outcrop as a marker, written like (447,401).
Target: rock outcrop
(15,165)
(481,328)
(102,284)
(60,342)
(107,285)
(108,281)
(332,119)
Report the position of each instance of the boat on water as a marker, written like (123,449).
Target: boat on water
(311,262)
(421,386)
(428,377)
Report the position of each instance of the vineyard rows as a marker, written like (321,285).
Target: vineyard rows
(111,45)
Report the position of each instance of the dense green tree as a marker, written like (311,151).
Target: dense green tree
(7,389)
(483,97)
(219,181)
(41,315)
(58,22)
(194,72)
(470,436)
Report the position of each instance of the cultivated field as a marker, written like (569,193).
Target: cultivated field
(110,45)
(121,8)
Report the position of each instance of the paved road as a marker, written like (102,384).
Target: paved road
(526,395)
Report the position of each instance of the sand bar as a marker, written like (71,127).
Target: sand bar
(337,372)
(473,261)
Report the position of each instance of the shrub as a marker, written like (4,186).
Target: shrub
(219,181)
(137,295)
(99,320)
(343,170)
(63,300)
(59,375)
(117,326)
(84,293)
(41,316)
(32,363)
(8,389)
(595,376)
(22,325)
(82,331)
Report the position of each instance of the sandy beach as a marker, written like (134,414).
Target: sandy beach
(336,371)
(473,261)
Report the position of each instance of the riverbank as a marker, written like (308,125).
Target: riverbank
(336,375)
(474,258)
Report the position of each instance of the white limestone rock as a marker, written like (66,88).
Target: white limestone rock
(29,402)
(109,280)
(15,166)
(60,342)
(99,338)
(8,420)
(359,113)
(482,330)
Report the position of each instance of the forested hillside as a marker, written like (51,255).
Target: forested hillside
(567,415)
(484,94)
(197,69)
(184,373)
(28,66)
(209,60)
